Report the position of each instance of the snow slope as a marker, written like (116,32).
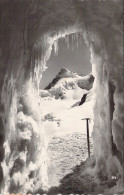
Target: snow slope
(59,114)
(65,131)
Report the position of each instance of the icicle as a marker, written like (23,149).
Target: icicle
(77,43)
(72,40)
(55,44)
(67,41)
(81,40)
(74,36)
(78,39)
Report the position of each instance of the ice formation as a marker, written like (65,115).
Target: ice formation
(28,31)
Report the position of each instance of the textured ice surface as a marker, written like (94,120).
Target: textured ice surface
(28,31)
(65,152)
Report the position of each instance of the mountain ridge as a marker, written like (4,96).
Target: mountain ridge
(65,73)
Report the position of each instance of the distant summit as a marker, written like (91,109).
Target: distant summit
(64,73)
(69,85)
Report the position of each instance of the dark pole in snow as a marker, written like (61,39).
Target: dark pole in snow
(88,139)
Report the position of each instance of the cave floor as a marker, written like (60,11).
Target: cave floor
(82,180)
(65,152)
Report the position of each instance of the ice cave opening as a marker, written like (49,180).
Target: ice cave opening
(28,31)
(67,99)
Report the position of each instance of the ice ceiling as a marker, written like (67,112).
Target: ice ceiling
(28,30)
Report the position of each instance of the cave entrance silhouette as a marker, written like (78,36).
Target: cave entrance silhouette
(62,95)
(28,30)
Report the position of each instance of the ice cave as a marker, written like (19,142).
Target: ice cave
(28,30)
(67,98)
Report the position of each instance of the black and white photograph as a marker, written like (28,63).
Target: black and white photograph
(61,97)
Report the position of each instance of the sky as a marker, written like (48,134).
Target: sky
(75,59)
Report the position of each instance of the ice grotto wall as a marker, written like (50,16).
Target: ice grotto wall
(27,30)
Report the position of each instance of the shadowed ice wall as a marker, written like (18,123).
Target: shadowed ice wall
(28,28)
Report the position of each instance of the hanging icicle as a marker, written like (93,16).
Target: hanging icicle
(72,41)
(81,40)
(78,39)
(67,41)
(55,45)
(74,36)
(77,43)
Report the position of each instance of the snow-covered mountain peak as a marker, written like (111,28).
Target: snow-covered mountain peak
(68,84)
(64,73)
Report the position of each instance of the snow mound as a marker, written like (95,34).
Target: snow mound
(44,93)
